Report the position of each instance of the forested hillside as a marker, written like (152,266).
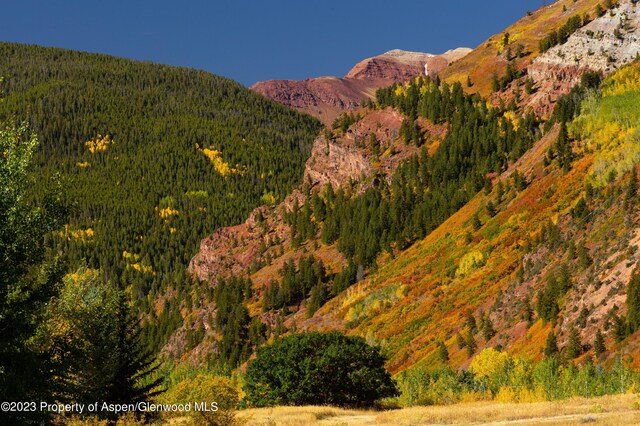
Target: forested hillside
(151,158)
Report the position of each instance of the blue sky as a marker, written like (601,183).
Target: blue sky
(255,40)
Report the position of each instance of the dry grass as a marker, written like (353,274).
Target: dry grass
(608,410)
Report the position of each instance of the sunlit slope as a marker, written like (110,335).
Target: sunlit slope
(574,222)
(490,56)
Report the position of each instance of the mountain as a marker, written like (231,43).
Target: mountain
(327,97)
(150,159)
(405,232)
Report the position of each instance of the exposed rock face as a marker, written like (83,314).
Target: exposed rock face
(338,162)
(603,45)
(327,97)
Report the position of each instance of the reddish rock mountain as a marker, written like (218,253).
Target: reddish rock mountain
(327,97)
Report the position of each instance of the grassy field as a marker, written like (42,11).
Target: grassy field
(609,410)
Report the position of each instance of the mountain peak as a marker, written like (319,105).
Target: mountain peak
(325,98)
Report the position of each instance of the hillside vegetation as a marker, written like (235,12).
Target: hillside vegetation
(151,159)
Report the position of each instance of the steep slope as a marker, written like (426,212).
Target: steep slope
(549,244)
(578,225)
(151,158)
(327,97)
(522,47)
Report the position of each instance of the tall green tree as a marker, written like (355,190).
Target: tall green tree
(633,301)
(27,279)
(98,356)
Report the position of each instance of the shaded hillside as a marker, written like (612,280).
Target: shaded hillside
(151,158)
(327,97)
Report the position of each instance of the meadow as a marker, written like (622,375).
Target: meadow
(607,410)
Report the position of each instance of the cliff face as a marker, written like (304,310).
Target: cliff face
(339,162)
(327,97)
(603,45)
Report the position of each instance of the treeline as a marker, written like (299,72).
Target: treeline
(152,158)
(494,375)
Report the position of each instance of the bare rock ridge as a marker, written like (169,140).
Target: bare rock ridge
(604,45)
(327,97)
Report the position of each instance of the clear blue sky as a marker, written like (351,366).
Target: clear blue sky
(255,40)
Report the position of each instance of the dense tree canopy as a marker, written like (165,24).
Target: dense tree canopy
(152,158)
(318,368)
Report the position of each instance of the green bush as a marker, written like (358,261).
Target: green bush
(318,369)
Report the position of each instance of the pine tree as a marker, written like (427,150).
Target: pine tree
(632,192)
(491,209)
(471,323)
(599,345)
(487,329)
(471,345)
(551,346)
(563,148)
(633,302)
(460,341)
(574,347)
(475,222)
(443,353)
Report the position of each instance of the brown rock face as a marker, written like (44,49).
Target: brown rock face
(338,162)
(327,97)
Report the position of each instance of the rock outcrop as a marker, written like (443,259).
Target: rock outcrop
(603,45)
(340,161)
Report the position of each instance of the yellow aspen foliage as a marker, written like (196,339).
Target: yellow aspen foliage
(141,267)
(99,143)
(268,198)
(469,263)
(627,79)
(167,212)
(206,388)
(71,233)
(219,165)
(610,125)
(513,118)
(488,363)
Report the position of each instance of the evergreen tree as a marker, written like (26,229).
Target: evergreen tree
(551,346)
(443,353)
(633,301)
(487,329)
(28,276)
(631,192)
(100,357)
(475,222)
(563,148)
(460,342)
(599,345)
(491,209)
(471,323)
(574,347)
(470,343)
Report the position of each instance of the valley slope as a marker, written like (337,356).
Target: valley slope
(545,216)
